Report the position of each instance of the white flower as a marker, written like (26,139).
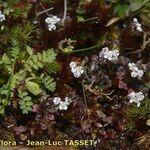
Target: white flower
(76,70)
(73,69)
(73,64)
(63,105)
(51,22)
(111,55)
(56,100)
(137,25)
(51,27)
(55,19)
(140,95)
(134,74)
(115,54)
(2,17)
(76,74)
(135,20)
(80,69)
(131,96)
(136,98)
(135,71)
(139,29)
(133,67)
(68,100)
(140,73)
(108,55)
(105,49)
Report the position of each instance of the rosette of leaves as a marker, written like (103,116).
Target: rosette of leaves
(22,35)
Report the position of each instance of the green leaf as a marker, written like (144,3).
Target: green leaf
(2,110)
(135,6)
(21,102)
(27,98)
(51,56)
(39,64)
(35,58)
(42,75)
(33,88)
(48,82)
(5,59)
(25,111)
(40,60)
(121,10)
(29,50)
(24,94)
(30,62)
(39,56)
(44,56)
(29,103)
(29,108)
(23,106)
(4,101)
(80,19)
(25,102)
(35,66)
(80,11)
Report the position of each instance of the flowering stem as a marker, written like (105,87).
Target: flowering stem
(85,101)
(65,11)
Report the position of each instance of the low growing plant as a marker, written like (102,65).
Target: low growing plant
(28,75)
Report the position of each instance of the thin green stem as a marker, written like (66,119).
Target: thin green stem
(92,47)
(90,19)
(85,49)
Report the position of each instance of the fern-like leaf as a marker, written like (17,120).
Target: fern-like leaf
(40,60)
(48,82)
(25,102)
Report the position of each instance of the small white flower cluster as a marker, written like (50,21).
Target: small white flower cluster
(135,71)
(51,22)
(2,17)
(137,24)
(62,105)
(111,55)
(136,98)
(76,69)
